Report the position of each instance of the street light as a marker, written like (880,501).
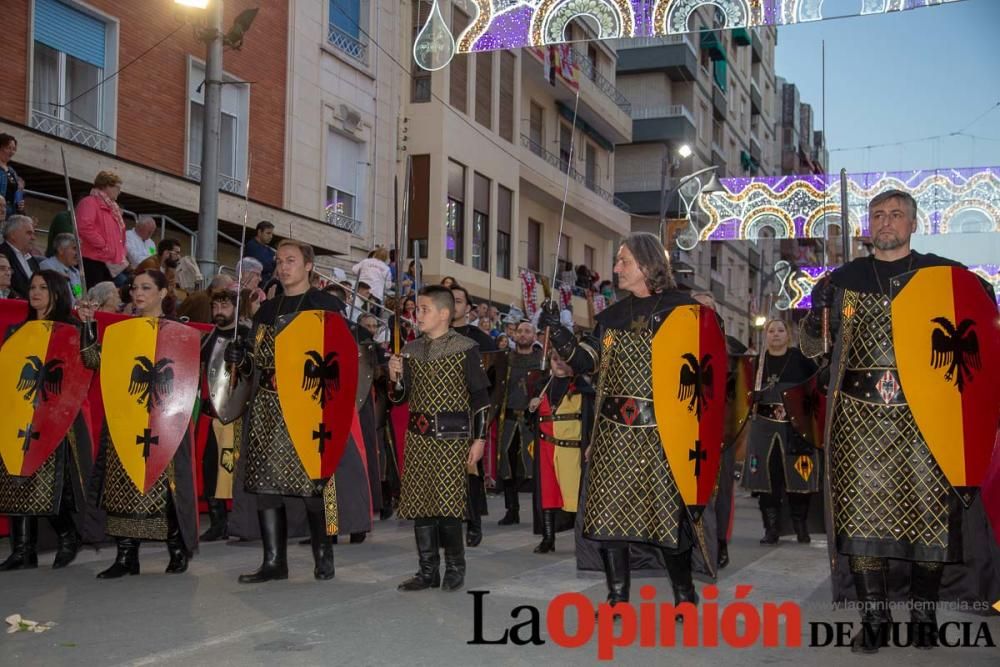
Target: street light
(760,321)
(685,151)
(197,4)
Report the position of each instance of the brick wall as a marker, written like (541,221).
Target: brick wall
(152,92)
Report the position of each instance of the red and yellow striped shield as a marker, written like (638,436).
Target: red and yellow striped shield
(947,341)
(316,373)
(149,383)
(42,384)
(689,399)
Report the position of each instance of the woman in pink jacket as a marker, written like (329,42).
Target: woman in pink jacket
(102,230)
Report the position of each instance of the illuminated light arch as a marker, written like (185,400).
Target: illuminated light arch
(478,24)
(671,17)
(770,217)
(824,216)
(951,216)
(614,18)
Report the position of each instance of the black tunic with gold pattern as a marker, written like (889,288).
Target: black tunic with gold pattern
(446,386)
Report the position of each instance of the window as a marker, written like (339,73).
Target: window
(420,202)
(458,93)
(536,128)
(484,88)
(71,52)
(233,131)
(592,57)
(480,222)
(505,205)
(454,225)
(534,246)
(346,182)
(590,166)
(565,265)
(506,129)
(589,257)
(706,127)
(348,28)
(565,141)
(420,87)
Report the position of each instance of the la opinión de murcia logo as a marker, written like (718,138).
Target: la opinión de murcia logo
(571,621)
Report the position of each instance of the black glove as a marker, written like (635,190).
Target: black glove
(236,353)
(823,293)
(549,317)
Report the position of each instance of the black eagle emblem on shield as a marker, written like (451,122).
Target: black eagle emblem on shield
(956,347)
(695,382)
(151,382)
(321,375)
(39,379)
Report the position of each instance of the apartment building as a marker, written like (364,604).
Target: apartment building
(498,158)
(711,90)
(120,86)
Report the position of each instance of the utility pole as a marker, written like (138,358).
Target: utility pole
(208,203)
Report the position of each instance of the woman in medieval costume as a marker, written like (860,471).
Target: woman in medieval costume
(168,510)
(56,490)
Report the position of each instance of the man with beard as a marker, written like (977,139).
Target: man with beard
(895,516)
(219,457)
(516,425)
(477,487)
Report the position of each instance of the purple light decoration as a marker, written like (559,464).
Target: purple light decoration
(507,31)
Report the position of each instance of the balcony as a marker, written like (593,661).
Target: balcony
(340,221)
(720,106)
(226,183)
(561,165)
(756,48)
(756,100)
(347,44)
(602,83)
(674,54)
(719,159)
(673,123)
(78,134)
(755,147)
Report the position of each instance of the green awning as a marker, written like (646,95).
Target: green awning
(741,36)
(711,42)
(719,71)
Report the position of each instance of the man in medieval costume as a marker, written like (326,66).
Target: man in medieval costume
(516,425)
(443,379)
(274,471)
(631,497)
(893,517)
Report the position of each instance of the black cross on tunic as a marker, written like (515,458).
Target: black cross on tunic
(322,435)
(28,433)
(146,439)
(697,455)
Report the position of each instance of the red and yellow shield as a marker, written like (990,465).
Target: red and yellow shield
(316,373)
(689,399)
(947,341)
(739,386)
(43,382)
(149,384)
(806,410)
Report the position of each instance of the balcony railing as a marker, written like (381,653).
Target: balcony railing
(64,129)
(341,221)
(665,40)
(602,83)
(669,111)
(562,166)
(349,44)
(226,183)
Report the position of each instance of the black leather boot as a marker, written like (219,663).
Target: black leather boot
(925,588)
(358,538)
(474,526)
(510,501)
(322,546)
(218,517)
(68,539)
(798,504)
(450,534)
(175,546)
(723,559)
(429,575)
(617,573)
(548,532)
(274,535)
(875,618)
(23,544)
(770,516)
(127,560)
(679,570)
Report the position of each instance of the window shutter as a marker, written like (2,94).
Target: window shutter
(484,88)
(71,31)
(507,61)
(459,81)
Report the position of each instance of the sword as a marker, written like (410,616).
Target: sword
(403,230)
(239,270)
(562,219)
(72,217)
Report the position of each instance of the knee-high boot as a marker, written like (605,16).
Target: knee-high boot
(126,561)
(218,516)
(474,526)
(322,546)
(679,570)
(770,514)
(870,584)
(175,544)
(798,505)
(617,572)
(511,502)
(548,532)
(450,534)
(274,535)
(925,590)
(429,575)
(24,544)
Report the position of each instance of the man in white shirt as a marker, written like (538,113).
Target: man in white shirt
(139,244)
(66,261)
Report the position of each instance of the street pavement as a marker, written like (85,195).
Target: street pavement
(204,617)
